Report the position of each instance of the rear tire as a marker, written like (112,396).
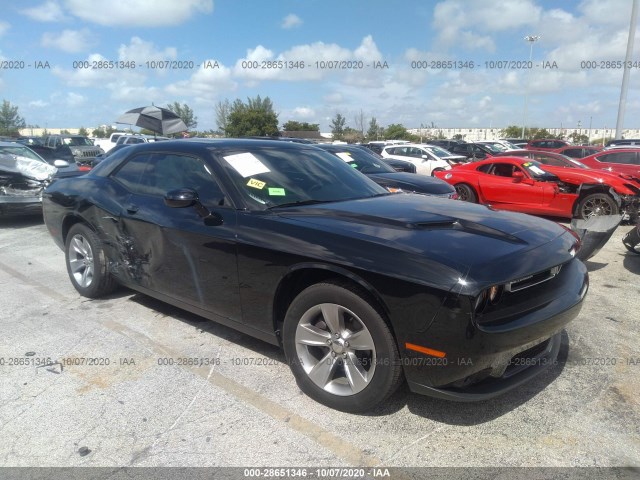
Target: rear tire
(340,349)
(597,204)
(466,193)
(87,263)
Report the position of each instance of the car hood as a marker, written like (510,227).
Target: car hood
(428,239)
(412,182)
(581,175)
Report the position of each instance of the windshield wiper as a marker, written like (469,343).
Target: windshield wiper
(300,203)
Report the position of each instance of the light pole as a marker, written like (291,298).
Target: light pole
(625,75)
(531,39)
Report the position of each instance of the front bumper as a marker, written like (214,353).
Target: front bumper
(486,358)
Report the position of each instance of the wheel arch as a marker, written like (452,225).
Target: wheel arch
(68,222)
(587,189)
(304,275)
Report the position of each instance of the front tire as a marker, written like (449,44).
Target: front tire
(340,349)
(87,263)
(597,204)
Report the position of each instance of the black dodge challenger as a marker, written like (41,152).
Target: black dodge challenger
(363,288)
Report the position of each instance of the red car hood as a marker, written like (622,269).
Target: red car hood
(581,175)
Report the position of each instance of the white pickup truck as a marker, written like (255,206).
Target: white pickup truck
(108,143)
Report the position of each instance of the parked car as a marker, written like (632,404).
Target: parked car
(384,175)
(545,157)
(629,142)
(397,165)
(523,185)
(426,162)
(138,138)
(446,144)
(498,144)
(577,151)
(361,287)
(82,148)
(23,177)
(547,144)
(474,151)
(623,160)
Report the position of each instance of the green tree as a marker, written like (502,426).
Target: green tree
(293,126)
(579,139)
(512,131)
(254,118)
(352,135)
(223,109)
(10,121)
(396,131)
(185,113)
(64,131)
(83,131)
(337,126)
(373,132)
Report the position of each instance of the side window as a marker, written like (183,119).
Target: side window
(626,158)
(558,144)
(485,168)
(169,171)
(131,173)
(573,152)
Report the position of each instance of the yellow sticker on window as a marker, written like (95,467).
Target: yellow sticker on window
(277,192)
(256,184)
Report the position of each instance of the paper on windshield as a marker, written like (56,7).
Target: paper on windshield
(537,170)
(345,156)
(246,164)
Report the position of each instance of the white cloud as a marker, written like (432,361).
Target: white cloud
(140,51)
(144,13)
(206,84)
(38,104)
(4,27)
(319,59)
(457,20)
(291,21)
(71,41)
(68,100)
(50,11)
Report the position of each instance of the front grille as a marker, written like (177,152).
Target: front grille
(90,153)
(531,280)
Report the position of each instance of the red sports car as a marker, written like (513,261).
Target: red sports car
(524,185)
(621,160)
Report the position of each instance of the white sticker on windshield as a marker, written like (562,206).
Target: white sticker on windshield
(345,156)
(246,164)
(537,170)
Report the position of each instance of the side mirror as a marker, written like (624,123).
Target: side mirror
(186,197)
(181,198)
(517,177)
(60,163)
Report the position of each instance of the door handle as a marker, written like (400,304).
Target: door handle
(132,208)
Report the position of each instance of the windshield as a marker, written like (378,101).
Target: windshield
(574,163)
(537,172)
(21,152)
(77,141)
(492,148)
(439,152)
(269,177)
(361,160)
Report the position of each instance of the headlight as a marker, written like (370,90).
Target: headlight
(76,152)
(489,296)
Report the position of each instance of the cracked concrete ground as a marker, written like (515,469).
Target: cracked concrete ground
(239,405)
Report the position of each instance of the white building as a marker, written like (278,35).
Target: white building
(476,134)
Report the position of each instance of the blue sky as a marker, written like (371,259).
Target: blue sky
(229,32)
